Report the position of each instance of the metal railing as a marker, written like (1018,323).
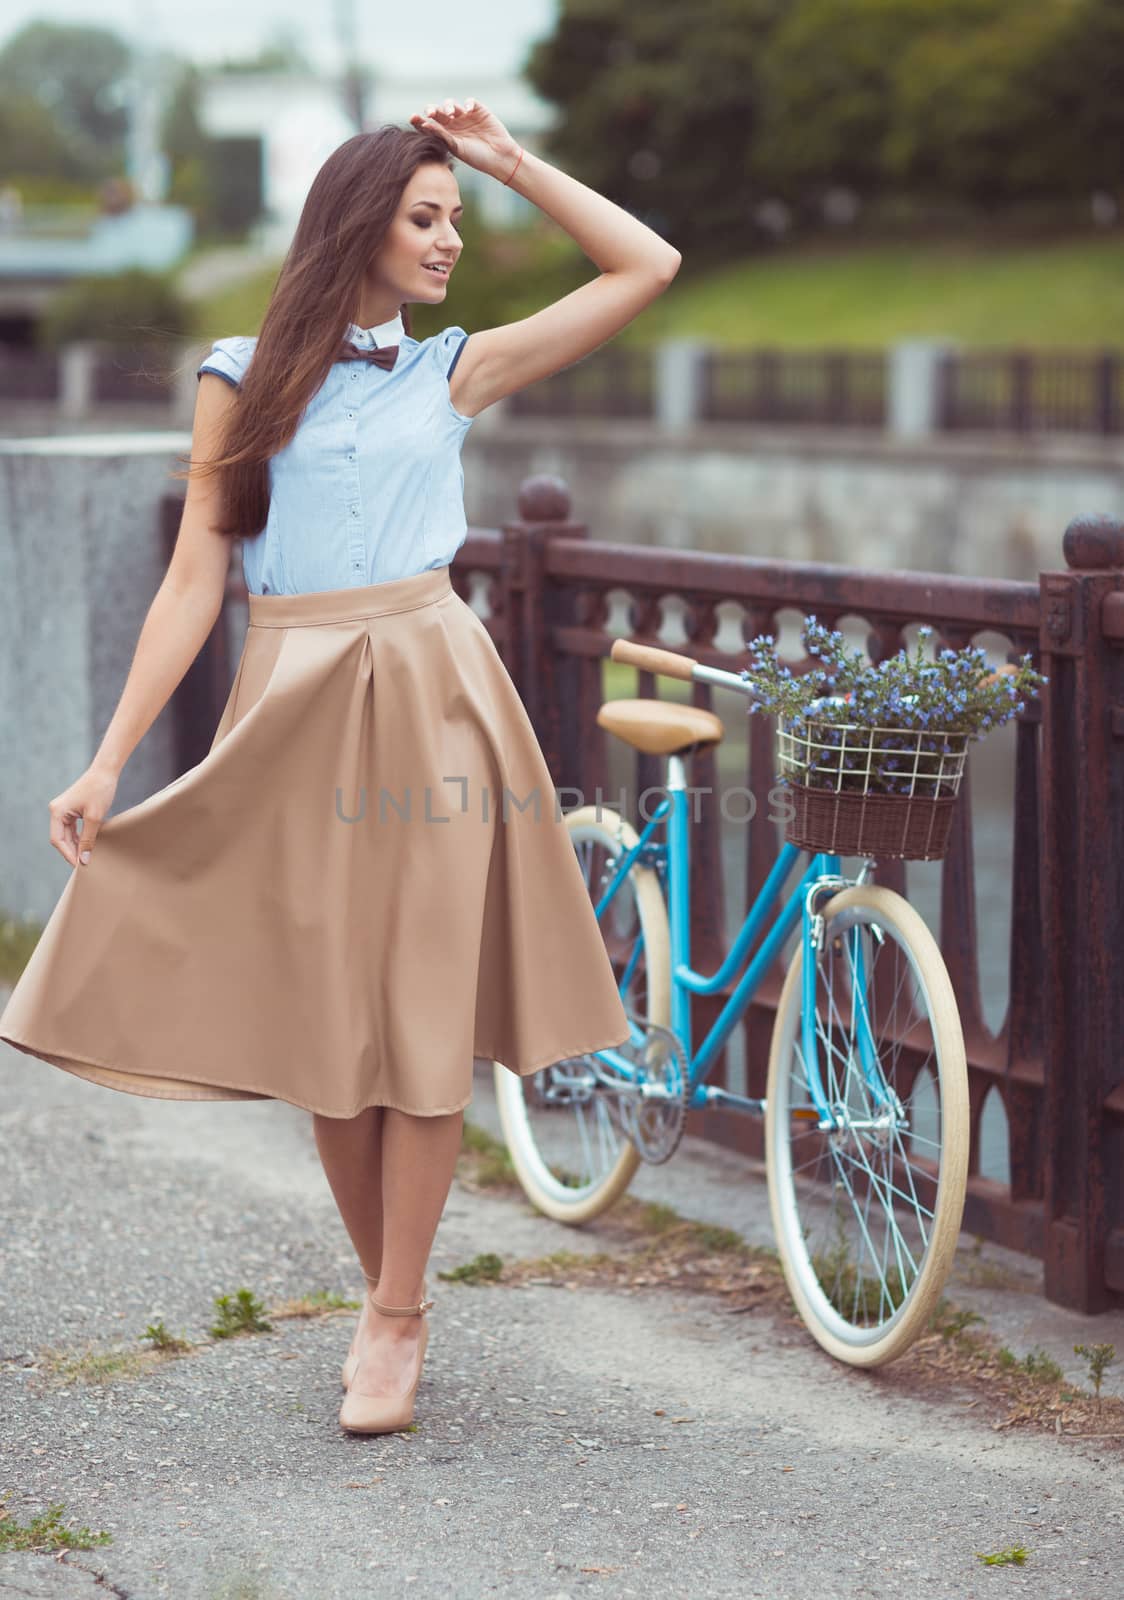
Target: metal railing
(546,592)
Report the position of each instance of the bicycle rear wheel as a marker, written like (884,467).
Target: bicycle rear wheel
(867,1211)
(568,1147)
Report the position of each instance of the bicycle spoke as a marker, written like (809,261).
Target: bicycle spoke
(859,1190)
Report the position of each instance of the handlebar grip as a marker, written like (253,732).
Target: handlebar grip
(649,659)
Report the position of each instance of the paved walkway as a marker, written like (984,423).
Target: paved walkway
(570,1443)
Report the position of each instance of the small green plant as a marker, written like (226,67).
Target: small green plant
(860,1297)
(1039,1364)
(493,1168)
(1099,1357)
(161,1338)
(952,1322)
(1014,1557)
(486,1268)
(240,1314)
(46,1532)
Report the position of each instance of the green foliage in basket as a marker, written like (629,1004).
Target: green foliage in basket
(896,727)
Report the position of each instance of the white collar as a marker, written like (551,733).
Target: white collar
(391,332)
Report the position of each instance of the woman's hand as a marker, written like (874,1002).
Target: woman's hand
(474,134)
(89,797)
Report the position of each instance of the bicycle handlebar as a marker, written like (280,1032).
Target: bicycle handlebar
(650,659)
(671,664)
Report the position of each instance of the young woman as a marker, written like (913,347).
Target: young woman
(366,882)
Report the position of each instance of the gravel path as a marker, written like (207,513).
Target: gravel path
(570,1442)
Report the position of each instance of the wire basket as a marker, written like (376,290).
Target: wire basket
(881,792)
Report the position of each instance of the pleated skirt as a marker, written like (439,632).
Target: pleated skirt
(365,884)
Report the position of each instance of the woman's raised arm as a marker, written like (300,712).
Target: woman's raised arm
(636,264)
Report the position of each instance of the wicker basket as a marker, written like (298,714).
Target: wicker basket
(836,774)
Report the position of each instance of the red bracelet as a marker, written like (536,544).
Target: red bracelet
(514,169)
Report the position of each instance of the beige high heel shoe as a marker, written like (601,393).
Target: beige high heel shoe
(370,1413)
(347,1372)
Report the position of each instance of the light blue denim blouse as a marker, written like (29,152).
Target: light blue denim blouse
(371,486)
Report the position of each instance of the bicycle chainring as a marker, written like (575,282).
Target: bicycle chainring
(654,1123)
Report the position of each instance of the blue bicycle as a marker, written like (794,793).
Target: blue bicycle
(866,1104)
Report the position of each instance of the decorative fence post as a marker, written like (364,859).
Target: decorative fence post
(1082,645)
(534,608)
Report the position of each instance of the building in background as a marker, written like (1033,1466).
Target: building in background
(299,119)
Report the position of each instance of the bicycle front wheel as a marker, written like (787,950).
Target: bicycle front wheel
(867,1203)
(571,1153)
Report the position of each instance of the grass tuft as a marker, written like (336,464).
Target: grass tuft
(46,1532)
(242,1313)
(91,1365)
(486,1268)
(317,1303)
(1014,1557)
(161,1338)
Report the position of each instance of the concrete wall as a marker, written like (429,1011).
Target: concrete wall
(79,564)
(987,507)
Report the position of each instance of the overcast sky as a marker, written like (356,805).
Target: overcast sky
(401,36)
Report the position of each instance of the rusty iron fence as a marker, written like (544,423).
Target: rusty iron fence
(1031,391)
(1024,391)
(615,382)
(840,388)
(546,591)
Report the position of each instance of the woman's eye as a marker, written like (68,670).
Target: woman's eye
(424,222)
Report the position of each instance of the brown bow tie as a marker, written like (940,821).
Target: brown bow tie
(383,355)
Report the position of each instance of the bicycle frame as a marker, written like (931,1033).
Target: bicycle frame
(820,875)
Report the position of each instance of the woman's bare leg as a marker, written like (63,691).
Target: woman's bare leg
(419,1155)
(350,1150)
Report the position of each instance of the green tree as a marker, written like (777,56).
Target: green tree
(827,76)
(988,101)
(660,108)
(31,143)
(978,114)
(78,74)
(1086,78)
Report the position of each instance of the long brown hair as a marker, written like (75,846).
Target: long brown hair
(349,207)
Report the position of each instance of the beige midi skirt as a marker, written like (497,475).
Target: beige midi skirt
(365,883)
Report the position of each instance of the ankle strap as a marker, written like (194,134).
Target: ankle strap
(402,1311)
